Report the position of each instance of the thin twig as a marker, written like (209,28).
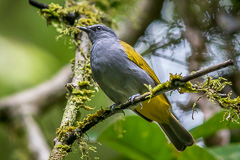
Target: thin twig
(207,70)
(41,95)
(35,138)
(38,4)
(184,64)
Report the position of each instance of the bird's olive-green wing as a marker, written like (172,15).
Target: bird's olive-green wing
(138,59)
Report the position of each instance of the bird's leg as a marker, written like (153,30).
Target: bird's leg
(113,106)
(133,97)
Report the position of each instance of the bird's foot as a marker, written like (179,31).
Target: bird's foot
(133,97)
(113,106)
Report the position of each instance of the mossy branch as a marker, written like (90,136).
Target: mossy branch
(176,82)
(70,17)
(79,94)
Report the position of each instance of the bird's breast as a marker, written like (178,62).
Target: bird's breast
(106,59)
(115,73)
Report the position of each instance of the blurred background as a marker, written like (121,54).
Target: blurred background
(174,36)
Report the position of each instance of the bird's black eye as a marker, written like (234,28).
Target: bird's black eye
(98,28)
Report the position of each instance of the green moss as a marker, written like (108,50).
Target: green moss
(72,62)
(173,84)
(87,12)
(63,132)
(85,147)
(83,93)
(52,14)
(211,89)
(64,149)
(82,96)
(90,118)
(84,84)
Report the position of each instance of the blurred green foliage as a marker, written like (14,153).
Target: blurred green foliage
(23,64)
(30,54)
(229,152)
(211,126)
(137,140)
(143,141)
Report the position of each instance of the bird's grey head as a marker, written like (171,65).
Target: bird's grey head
(97,32)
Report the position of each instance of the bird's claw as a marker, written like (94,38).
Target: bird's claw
(113,106)
(141,105)
(133,97)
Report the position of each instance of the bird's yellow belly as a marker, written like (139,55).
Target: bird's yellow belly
(157,109)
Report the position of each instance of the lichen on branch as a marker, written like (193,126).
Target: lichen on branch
(212,88)
(174,83)
(65,19)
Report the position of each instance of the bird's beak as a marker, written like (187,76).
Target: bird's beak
(85,29)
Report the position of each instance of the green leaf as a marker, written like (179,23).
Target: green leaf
(213,125)
(141,140)
(196,153)
(229,152)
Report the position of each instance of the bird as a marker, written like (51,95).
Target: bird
(122,74)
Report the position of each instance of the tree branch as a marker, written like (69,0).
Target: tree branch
(38,4)
(71,110)
(29,102)
(202,72)
(160,89)
(42,95)
(70,17)
(35,138)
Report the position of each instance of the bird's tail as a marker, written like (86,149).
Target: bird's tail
(177,134)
